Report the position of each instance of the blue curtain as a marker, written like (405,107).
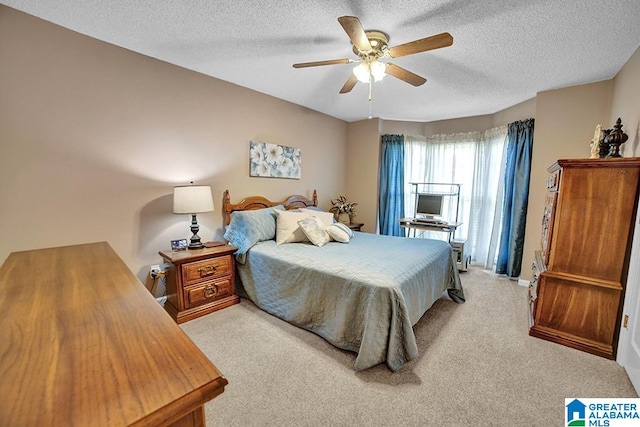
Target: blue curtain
(391,188)
(516,195)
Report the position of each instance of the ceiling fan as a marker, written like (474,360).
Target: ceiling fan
(372,46)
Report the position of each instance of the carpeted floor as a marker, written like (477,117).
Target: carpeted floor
(477,366)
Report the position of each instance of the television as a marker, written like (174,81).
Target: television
(429,205)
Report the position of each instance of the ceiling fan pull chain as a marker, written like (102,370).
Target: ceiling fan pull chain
(370,101)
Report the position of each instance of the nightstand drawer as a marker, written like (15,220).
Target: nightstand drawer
(196,272)
(207,292)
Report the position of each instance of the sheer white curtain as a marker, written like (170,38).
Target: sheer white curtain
(476,161)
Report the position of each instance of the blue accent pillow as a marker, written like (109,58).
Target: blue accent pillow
(247,228)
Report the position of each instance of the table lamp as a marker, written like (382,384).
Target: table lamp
(192,200)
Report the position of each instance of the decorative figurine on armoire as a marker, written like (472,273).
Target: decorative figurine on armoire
(615,139)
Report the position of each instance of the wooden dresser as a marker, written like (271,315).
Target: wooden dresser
(199,281)
(85,344)
(577,290)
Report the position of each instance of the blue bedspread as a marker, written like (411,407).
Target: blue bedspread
(364,296)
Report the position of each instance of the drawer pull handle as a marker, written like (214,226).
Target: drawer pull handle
(207,271)
(209,292)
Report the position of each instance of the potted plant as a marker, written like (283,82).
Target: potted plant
(343,209)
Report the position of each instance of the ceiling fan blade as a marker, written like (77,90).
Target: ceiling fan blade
(356,33)
(422,45)
(318,63)
(349,84)
(405,75)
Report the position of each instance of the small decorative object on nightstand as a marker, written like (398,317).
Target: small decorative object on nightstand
(355,226)
(199,282)
(343,209)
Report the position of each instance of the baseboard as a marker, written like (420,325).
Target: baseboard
(523,282)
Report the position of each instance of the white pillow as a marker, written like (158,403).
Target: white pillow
(325,217)
(287,228)
(340,232)
(314,229)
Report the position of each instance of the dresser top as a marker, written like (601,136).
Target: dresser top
(84,343)
(605,162)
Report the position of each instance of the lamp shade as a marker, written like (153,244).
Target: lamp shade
(192,199)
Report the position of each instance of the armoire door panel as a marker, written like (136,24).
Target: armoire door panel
(594,220)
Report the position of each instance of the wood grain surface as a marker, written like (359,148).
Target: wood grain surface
(85,344)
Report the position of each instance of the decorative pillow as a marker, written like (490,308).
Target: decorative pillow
(247,228)
(340,232)
(312,208)
(287,228)
(314,229)
(326,217)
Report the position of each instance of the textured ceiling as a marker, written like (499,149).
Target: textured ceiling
(504,51)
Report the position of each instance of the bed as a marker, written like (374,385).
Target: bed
(363,295)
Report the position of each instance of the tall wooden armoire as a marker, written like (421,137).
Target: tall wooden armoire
(577,292)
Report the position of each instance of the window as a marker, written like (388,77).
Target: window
(475,160)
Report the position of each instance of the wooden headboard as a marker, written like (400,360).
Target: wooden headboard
(259,202)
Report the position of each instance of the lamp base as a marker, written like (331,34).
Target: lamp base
(197,245)
(195,239)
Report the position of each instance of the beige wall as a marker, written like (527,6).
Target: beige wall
(565,122)
(461,125)
(396,127)
(93,138)
(363,158)
(524,110)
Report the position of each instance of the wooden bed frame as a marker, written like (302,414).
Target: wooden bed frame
(259,202)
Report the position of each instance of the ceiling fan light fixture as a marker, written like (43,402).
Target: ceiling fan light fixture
(361,71)
(365,70)
(378,70)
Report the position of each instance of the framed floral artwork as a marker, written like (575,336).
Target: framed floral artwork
(274,161)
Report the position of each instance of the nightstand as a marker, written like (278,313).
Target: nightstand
(355,226)
(199,281)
